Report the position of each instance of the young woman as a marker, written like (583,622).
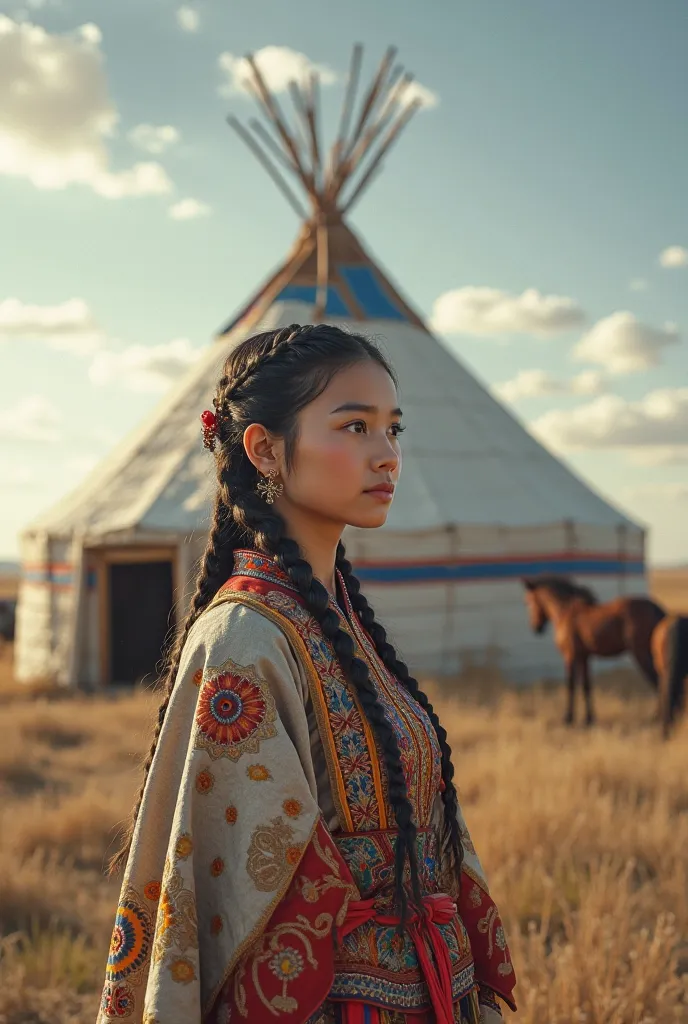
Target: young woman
(298,853)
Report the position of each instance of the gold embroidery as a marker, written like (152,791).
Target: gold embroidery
(491,926)
(197,677)
(286,959)
(286,962)
(258,773)
(184,846)
(253,936)
(176,926)
(268,865)
(231,815)
(476,896)
(466,840)
(183,971)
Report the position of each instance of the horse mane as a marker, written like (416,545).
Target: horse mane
(565,588)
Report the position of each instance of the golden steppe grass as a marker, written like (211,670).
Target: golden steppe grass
(583,834)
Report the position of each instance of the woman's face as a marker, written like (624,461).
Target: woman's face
(347,459)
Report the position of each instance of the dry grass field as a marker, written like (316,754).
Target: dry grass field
(584,836)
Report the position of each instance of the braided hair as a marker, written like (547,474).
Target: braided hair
(269,379)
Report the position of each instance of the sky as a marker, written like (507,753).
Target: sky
(534,212)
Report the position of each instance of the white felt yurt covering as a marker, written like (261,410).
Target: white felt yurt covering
(480,504)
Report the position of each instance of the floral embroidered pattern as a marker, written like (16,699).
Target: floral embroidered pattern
(217,867)
(476,896)
(131,937)
(184,846)
(176,926)
(286,964)
(235,712)
(197,678)
(117,1001)
(292,808)
(231,815)
(282,970)
(418,746)
(183,971)
(152,891)
(216,925)
(271,855)
(205,780)
(258,773)
(360,790)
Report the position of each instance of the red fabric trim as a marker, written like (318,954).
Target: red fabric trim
(493,966)
(288,973)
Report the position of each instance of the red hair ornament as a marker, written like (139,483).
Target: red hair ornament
(209,421)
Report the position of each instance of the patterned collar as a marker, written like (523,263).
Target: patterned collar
(258,565)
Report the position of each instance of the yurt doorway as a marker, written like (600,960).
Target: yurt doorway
(138,614)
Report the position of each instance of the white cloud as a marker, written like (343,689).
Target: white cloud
(535,383)
(638,284)
(279,65)
(417,92)
(189,209)
(660,419)
(623,344)
(77,466)
(188,19)
(674,256)
(669,455)
(33,418)
(68,326)
(489,311)
(56,114)
(144,367)
(672,492)
(16,476)
(154,138)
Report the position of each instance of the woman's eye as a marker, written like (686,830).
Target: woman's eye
(397,429)
(359,427)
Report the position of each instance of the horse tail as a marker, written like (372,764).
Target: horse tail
(677,668)
(659,613)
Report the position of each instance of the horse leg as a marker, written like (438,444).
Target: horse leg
(587,690)
(571,681)
(643,658)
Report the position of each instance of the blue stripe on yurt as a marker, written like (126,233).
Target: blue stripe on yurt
(369,295)
(306,293)
(434,573)
(51,576)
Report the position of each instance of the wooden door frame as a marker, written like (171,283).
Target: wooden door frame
(102,559)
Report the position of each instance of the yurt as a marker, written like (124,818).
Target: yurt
(480,504)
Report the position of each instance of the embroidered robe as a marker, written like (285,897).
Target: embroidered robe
(259,886)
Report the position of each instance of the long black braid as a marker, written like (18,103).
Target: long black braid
(269,379)
(269,530)
(378,634)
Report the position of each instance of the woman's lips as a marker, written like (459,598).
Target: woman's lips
(382,492)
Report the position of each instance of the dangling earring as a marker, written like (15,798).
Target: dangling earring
(270,487)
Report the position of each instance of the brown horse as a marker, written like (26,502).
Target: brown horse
(583,628)
(670,655)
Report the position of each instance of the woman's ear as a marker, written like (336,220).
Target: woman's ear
(264,451)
